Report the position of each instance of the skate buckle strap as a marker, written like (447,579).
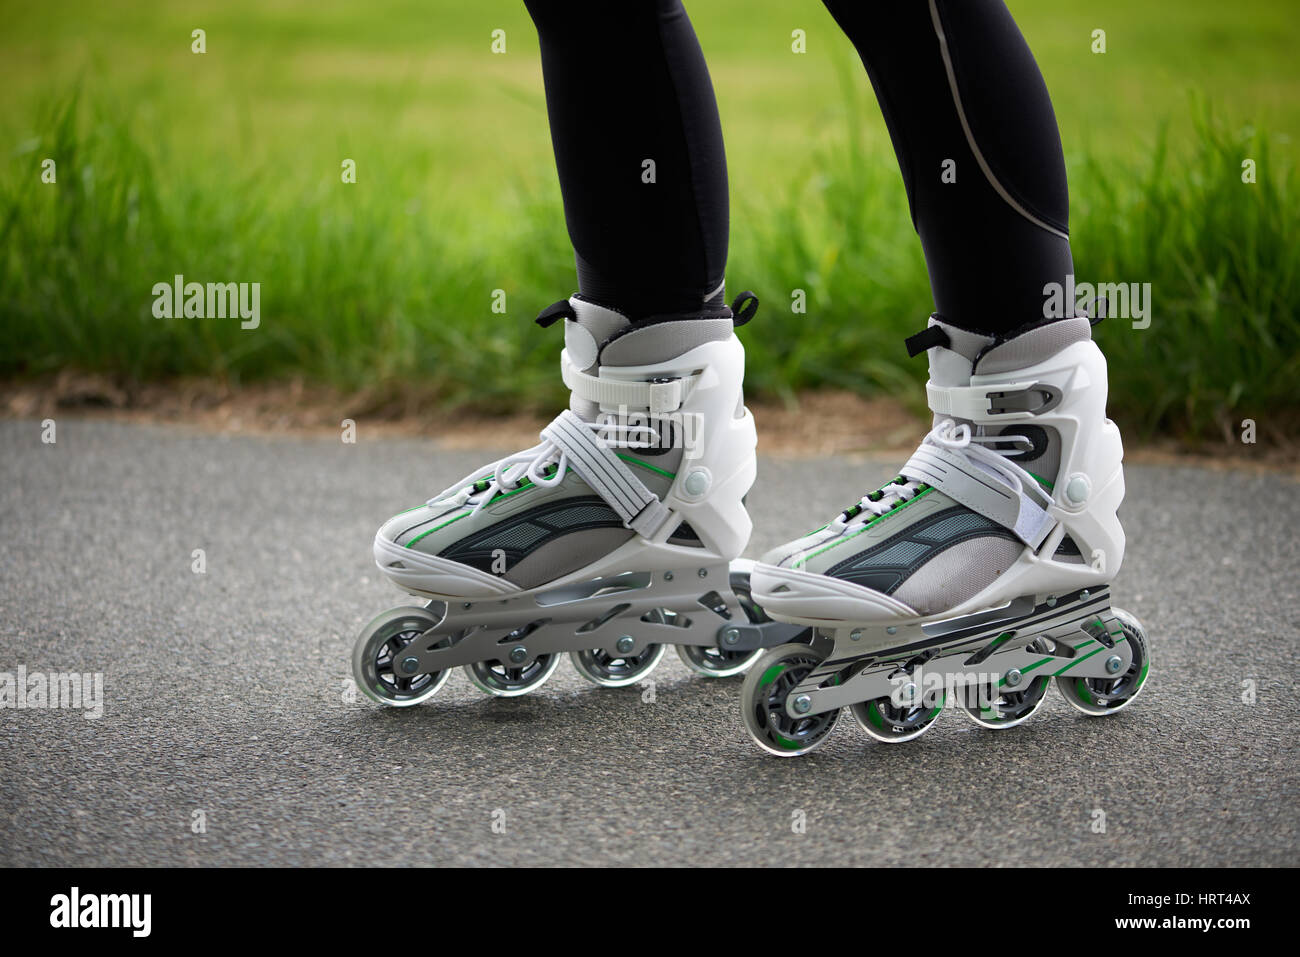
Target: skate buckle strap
(1023,511)
(602,469)
(662,396)
(1006,400)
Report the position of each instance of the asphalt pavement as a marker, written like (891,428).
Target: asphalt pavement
(229,733)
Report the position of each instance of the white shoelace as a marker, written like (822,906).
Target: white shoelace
(531,464)
(947,434)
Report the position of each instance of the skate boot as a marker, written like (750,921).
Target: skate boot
(610,540)
(978,574)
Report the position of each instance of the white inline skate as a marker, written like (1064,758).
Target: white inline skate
(977,575)
(610,540)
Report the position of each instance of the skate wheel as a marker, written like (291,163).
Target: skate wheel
(508,681)
(611,670)
(377,650)
(714,662)
(892,723)
(1098,696)
(762,699)
(1000,708)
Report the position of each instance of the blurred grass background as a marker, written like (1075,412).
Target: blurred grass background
(225,166)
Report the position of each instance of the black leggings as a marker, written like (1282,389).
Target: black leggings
(626,83)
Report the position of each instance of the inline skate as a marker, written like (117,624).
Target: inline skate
(974,577)
(613,538)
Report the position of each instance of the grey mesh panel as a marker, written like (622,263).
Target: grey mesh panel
(577,515)
(951,527)
(662,341)
(957,573)
(885,565)
(901,554)
(1034,346)
(520,538)
(565,555)
(539,526)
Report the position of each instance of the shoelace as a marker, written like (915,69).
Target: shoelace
(949,435)
(545,465)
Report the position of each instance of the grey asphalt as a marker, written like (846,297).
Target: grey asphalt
(227,737)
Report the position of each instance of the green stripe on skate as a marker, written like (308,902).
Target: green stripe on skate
(1001,639)
(647,465)
(840,541)
(1079,661)
(1041,661)
(770,675)
(412,542)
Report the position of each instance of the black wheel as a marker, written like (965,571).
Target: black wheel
(612,670)
(506,680)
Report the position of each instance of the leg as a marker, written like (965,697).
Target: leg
(956,81)
(986,562)
(627,82)
(614,536)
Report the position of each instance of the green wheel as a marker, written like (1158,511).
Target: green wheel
(763,695)
(887,721)
(1098,696)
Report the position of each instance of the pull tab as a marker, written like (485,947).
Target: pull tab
(927,338)
(1103,307)
(554,313)
(741,314)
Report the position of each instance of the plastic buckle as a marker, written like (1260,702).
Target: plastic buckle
(1022,400)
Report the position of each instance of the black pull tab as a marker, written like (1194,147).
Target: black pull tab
(928,338)
(1103,307)
(743,308)
(554,313)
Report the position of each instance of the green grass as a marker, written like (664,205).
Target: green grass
(225,166)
